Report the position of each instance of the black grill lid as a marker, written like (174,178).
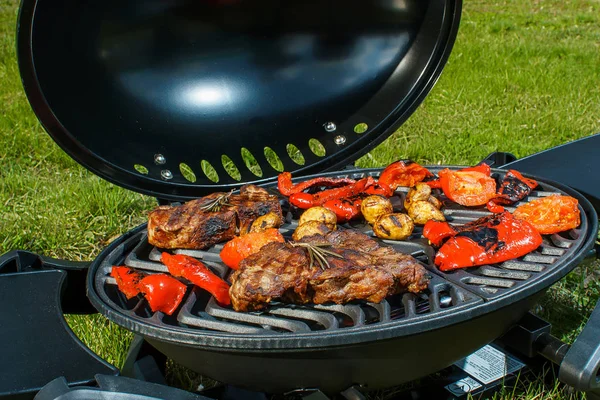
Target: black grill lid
(142,90)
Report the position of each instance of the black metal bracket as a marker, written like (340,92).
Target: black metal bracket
(73,299)
(497,159)
(579,363)
(39,345)
(114,387)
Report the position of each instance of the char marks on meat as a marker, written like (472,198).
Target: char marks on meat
(366,271)
(189,227)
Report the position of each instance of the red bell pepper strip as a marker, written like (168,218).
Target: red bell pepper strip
(163,293)
(306,200)
(196,272)
(489,240)
(345,209)
(471,186)
(482,168)
(241,247)
(514,187)
(436,232)
(493,207)
(400,173)
(287,188)
(434,184)
(127,280)
(379,188)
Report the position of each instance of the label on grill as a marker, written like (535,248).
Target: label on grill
(463,386)
(489,364)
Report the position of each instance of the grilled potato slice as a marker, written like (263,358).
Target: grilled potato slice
(374,206)
(435,201)
(395,226)
(310,228)
(264,222)
(419,192)
(422,211)
(319,214)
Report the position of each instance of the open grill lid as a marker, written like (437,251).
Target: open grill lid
(141,92)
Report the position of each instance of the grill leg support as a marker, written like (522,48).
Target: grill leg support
(144,362)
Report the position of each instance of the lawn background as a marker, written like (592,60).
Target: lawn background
(524,76)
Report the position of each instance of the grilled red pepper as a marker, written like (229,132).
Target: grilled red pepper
(287,188)
(434,184)
(127,280)
(493,207)
(345,209)
(197,273)
(514,187)
(489,240)
(436,232)
(400,173)
(163,293)
(471,186)
(307,200)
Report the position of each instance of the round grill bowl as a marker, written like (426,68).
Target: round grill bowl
(373,353)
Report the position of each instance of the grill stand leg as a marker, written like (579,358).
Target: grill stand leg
(144,362)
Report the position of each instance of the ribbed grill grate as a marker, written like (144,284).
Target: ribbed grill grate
(447,292)
(200,311)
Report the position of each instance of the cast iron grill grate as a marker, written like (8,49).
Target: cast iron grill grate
(200,311)
(448,292)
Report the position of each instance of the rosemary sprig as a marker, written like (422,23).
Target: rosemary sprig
(215,204)
(317,252)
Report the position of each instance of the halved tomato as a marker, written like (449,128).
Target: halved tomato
(469,187)
(550,214)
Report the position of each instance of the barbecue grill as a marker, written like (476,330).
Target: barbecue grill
(253,89)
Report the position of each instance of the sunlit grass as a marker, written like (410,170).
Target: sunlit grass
(524,76)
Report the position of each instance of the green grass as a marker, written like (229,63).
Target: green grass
(524,76)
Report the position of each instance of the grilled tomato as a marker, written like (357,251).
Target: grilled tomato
(241,247)
(550,214)
(469,186)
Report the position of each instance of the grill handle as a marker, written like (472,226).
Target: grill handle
(581,364)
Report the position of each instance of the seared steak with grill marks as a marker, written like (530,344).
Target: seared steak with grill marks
(366,271)
(189,227)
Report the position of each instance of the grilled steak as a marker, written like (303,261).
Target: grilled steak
(366,271)
(188,226)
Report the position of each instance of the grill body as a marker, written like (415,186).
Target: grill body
(412,337)
(373,365)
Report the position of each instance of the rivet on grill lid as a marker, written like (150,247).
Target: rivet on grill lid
(445,301)
(159,159)
(166,174)
(330,126)
(340,140)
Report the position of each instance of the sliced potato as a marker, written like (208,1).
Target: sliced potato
(374,206)
(423,211)
(395,226)
(320,214)
(264,222)
(419,192)
(310,228)
(435,201)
